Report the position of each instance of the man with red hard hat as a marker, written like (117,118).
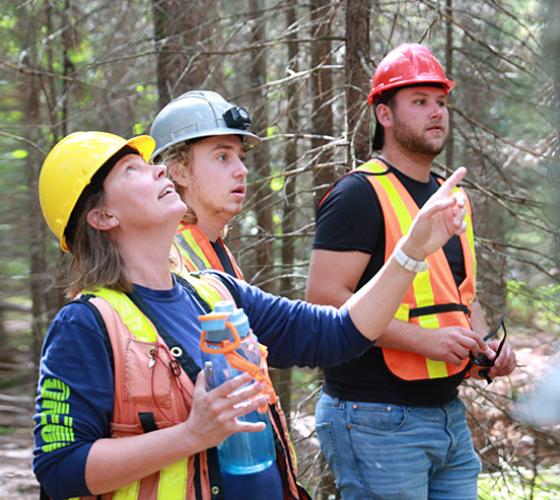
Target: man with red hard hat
(390,423)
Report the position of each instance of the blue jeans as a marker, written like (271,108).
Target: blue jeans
(392,452)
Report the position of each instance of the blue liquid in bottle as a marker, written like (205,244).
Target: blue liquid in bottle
(242,452)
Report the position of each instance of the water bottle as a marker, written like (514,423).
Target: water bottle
(226,353)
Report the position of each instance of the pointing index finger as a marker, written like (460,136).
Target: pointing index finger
(453,180)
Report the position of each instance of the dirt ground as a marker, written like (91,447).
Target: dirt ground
(16,440)
(16,478)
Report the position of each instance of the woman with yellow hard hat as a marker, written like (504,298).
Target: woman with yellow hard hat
(122,409)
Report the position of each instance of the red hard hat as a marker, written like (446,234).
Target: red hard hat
(408,64)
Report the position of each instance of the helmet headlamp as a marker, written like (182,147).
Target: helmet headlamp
(237,117)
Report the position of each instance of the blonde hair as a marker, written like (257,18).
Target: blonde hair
(181,154)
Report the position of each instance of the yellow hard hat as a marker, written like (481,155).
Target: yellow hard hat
(69,168)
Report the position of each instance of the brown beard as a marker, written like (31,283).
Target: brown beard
(414,142)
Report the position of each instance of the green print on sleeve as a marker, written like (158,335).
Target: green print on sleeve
(57,430)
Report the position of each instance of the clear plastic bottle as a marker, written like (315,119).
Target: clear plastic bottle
(242,452)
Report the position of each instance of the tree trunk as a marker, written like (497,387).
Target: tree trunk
(261,155)
(449,148)
(283,378)
(184,34)
(552,62)
(322,127)
(358,113)
(321,97)
(57,95)
(30,91)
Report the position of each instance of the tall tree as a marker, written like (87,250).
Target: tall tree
(289,209)
(261,172)
(185,34)
(552,63)
(358,115)
(449,148)
(321,96)
(30,90)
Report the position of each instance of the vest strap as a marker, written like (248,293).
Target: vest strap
(216,488)
(438,308)
(148,421)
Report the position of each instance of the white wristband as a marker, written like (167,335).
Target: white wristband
(410,264)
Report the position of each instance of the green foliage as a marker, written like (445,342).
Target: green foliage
(538,304)
(277,183)
(83,53)
(271,131)
(19,154)
(514,486)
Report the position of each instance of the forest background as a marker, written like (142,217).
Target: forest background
(303,69)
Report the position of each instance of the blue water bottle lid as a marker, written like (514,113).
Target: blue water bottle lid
(239,319)
(224,306)
(214,324)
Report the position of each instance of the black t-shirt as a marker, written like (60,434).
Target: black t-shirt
(350,219)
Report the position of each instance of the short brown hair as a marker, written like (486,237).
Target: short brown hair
(386,98)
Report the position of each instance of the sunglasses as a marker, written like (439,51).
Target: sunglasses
(484,361)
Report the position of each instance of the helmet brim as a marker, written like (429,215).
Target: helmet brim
(446,85)
(145,144)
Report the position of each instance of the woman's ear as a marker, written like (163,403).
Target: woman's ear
(384,115)
(100,219)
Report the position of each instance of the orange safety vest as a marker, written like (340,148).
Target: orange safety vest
(197,253)
(152,390)
(434,300)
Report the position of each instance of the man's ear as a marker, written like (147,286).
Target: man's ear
(384,115)
(178,173)
(100,219)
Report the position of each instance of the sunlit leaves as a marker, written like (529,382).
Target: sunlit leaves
(19,154)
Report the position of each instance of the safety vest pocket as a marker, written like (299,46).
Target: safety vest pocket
(147,361)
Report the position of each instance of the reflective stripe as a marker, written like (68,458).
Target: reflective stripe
(469,252)
(375,167)
(129,492)
(173,481)
(192,251)
(205,288)
(470,238)
(403,312)
(137,322)
(134,319)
